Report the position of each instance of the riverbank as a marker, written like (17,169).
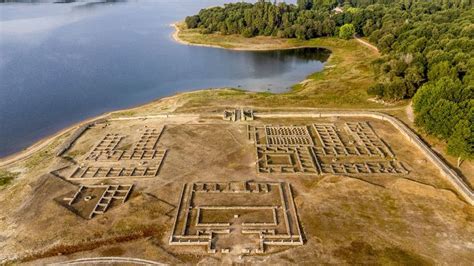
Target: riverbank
(193,37)
(176,38)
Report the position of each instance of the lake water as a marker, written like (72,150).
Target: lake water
(62,63)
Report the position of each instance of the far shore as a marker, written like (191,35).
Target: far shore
(177,30)
(176,38)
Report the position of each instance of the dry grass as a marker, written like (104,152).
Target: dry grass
(378,219)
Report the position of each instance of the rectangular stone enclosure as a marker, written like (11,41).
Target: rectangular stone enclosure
(144,149)
(108,160)
(238,217)
(91,200)
(322,148)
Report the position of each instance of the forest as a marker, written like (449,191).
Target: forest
(427,50)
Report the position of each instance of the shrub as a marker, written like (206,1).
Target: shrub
(6,177)
(346,31)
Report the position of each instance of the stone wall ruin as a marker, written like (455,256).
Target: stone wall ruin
(323,148)
(223,215)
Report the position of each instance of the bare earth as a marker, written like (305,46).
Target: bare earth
(344,218)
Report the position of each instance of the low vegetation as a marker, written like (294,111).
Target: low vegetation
(6,177)
(346,31)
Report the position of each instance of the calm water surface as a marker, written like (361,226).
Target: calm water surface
(62,63)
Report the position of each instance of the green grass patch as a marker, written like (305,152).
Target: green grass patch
(38,159)
(317,76)
(6,177)
(124,113)
(43,157)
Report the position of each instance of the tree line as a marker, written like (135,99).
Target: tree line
(266,19)
(427,50)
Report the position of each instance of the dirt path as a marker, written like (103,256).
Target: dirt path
(373,47)
(410,114)
(109,260)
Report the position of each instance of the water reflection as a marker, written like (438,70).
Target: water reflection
(305,54)
(61,1)
(94,5)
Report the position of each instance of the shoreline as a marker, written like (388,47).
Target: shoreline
(47,140)
(44,142)
(175,37)
(50,138)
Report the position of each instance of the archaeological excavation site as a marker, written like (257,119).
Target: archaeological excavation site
(243,186)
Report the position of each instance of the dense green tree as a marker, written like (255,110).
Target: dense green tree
(248,32)
(305,4)
(192,21)
(386,42)
(461,142)
(440,106)
(346,31)
(441,69)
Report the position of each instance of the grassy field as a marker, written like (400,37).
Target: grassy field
(342,83)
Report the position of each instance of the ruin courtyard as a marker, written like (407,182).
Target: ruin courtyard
(207,186)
